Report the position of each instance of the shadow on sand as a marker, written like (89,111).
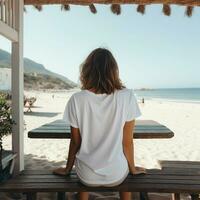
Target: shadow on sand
(42,114)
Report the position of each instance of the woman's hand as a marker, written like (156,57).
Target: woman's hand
(138,170)
(63,171)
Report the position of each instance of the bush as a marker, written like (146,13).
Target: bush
(6,121)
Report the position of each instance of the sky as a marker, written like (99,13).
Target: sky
(152,50)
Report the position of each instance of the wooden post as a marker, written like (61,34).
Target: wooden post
(18,89)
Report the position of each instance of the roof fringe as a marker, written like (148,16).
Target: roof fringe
(141,9)
(166,9)
(189,11)
(93,8)
(38,7)
(65,7)
(116,9)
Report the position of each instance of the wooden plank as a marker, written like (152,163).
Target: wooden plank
(130,180)
(147,176)
(61,130)
(137,122)
(164,176)
(180,164)
(152,128)
(62,135)
(72,177)
(172,166)
(155,173)
(149,171)
(76,187)
(8,32)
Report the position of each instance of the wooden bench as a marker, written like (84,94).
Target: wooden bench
(157,181)
(185,168)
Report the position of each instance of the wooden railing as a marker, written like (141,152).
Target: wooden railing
(7,12)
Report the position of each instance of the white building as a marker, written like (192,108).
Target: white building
(5,79)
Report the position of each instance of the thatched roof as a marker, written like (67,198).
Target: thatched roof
(115,4)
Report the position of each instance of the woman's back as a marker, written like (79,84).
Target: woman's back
(102,123)
(100,119)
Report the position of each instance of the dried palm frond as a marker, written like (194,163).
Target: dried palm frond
(141,9)
(116,9)
(93,8)
(65,7)
(189,10)
(38,7)
(166,9)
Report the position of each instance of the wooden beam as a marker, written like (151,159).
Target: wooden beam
(88,2)
(8,32)
(18,89)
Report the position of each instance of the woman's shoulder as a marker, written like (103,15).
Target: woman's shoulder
(78,94)
(126,91)
(127,95)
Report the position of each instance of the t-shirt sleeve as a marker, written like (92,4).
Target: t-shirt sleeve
(70,114)
(133,108)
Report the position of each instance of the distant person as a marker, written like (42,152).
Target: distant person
(143,100)
(102,118)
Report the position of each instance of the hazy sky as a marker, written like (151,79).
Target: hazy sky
(152,50)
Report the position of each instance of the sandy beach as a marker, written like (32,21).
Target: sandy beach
(181,118)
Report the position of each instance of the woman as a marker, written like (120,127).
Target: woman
(102,118)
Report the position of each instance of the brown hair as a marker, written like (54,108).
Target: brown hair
(100,72)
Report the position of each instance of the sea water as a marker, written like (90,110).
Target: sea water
(172,94)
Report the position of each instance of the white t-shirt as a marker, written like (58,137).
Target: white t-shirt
(100,119)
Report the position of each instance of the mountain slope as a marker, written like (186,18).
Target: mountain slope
(32,67)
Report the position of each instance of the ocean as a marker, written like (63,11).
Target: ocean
(172,94)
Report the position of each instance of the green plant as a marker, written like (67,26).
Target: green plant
(6,121)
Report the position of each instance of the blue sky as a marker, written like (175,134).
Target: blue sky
(152,50)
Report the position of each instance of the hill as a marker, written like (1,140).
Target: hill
(42,82)
(38,74)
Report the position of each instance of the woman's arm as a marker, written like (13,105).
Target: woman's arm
(74,147)
(128,147)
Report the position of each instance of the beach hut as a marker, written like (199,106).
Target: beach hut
(11,27)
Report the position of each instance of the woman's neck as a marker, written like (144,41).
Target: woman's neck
(93,90)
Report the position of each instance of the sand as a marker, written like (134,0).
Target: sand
(182,118)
